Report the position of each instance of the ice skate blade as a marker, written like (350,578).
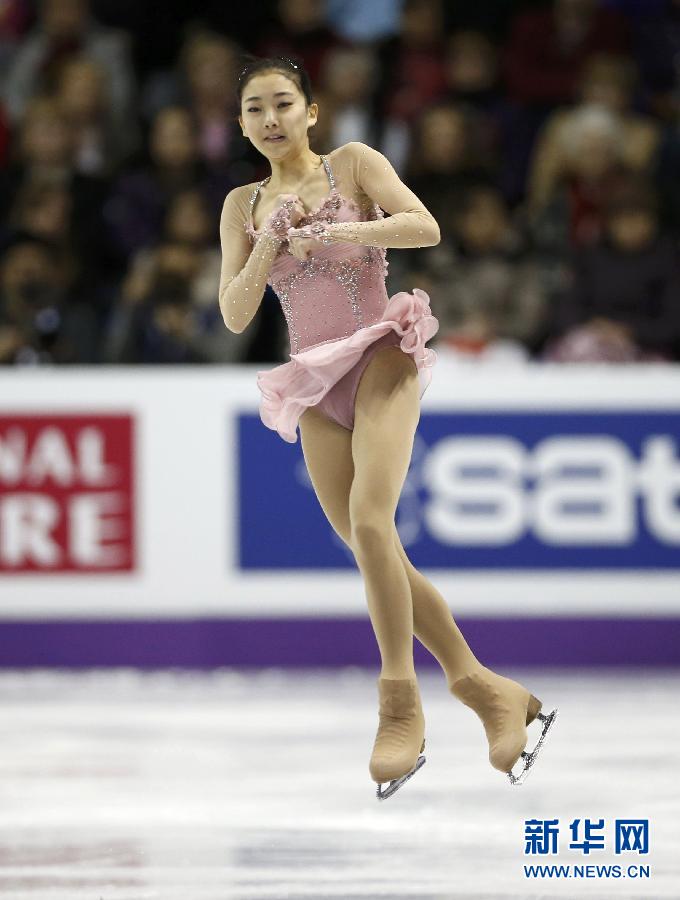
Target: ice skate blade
(396,783)
(530,758)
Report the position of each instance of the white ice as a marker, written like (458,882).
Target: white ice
(185,786)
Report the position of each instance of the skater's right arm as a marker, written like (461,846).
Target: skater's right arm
(245,269)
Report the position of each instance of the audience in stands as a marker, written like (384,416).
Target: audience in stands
(545,139)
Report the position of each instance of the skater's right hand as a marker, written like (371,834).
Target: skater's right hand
(297,211)
(287,212)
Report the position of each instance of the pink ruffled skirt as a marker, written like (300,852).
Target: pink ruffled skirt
(327,375)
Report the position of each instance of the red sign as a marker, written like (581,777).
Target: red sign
(66,494)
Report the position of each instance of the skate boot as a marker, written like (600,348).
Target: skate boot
(400,737)
(505,708)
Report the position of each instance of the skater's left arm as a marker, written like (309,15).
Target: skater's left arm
(410,223)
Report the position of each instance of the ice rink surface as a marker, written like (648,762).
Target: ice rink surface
(189,786)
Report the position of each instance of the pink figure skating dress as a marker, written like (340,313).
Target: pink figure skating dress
(338,315)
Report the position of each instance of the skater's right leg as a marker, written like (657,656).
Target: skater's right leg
(327,448)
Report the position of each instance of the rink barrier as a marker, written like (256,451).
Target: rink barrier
(148,516)
(318,643)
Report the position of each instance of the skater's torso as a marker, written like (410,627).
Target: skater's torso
(341,287)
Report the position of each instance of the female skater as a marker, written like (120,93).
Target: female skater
(315,230)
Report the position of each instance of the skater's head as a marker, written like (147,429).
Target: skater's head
(275,98)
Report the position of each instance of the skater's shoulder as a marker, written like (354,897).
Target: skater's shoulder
(239,198)
(344,162)
(358,160)
(353,150)
(243,192)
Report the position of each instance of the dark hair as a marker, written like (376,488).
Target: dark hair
(291,66)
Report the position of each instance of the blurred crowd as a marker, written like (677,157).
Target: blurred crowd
(543,136)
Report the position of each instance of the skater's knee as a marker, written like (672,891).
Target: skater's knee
(371,514)
(371,534)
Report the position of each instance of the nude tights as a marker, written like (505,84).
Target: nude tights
(358,476)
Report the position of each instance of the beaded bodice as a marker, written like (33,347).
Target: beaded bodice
(337,290)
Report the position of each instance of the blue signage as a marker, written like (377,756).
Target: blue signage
(487,490)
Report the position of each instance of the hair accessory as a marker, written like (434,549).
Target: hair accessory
(282,58)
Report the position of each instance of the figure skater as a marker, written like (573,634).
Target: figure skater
(315,230)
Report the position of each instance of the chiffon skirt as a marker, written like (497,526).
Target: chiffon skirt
(327,375)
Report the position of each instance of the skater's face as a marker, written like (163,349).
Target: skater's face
(272,104)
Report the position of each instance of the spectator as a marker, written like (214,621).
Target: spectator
(349,76)
(624,304)
(491,17)
(300,29)
(66,28)
(656,44)
(538,101)
(592,155)
(208,60)
(41,152)
(101,143)
(43,155)
(360,22)
(548,47)
(15,16)
(471,72)
(45,211)
(191,251)
(140,199)
(40,320)
(446,156)
(14,21)
(412,64)
(202,83)
(544,56)
(472,76)
(163,316)
(608,81)
(492,290)
(189,224)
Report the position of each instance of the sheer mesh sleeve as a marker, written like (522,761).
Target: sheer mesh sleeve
(244,272)
(410,223)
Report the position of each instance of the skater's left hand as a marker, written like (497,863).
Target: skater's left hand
(302,247)
(303,242)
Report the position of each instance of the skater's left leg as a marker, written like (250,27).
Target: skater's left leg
(433,623)
(386,413)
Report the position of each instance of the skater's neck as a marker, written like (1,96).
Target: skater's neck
(289,173)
